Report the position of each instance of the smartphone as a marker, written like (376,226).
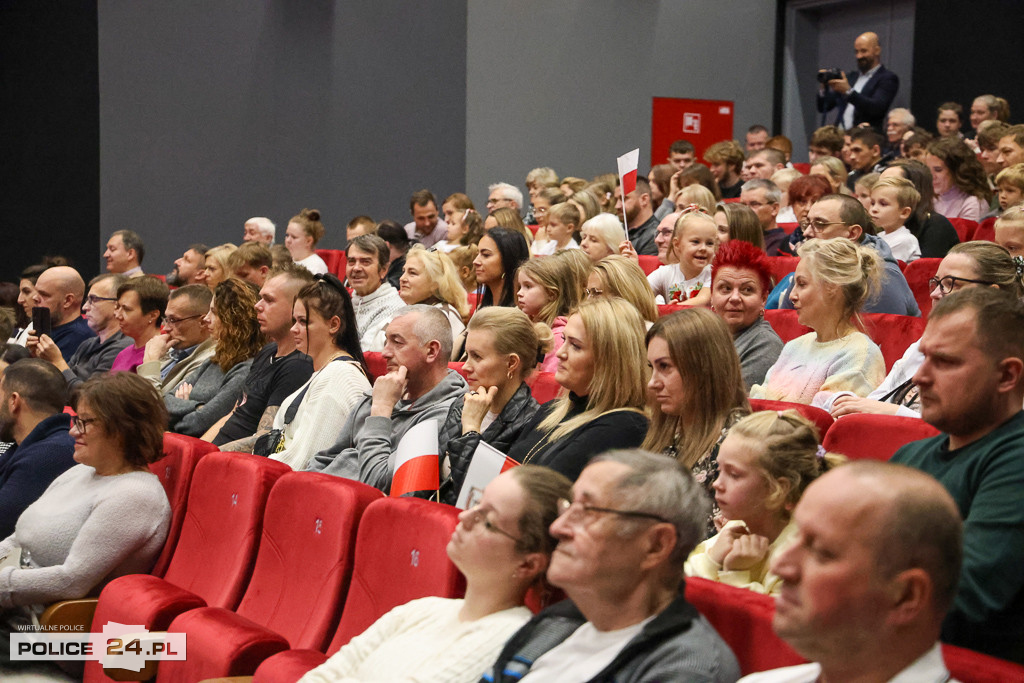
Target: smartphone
(41,320)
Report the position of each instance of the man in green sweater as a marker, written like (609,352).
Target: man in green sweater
(972,388)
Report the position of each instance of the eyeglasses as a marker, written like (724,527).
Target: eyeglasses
(93,299)
(540,210)
(818,225)
(666,232)
(593,292)
(577,513)
(82,423)
(949,283)
(177,321)
(477,516)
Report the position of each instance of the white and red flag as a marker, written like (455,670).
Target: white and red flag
(416,460)
(487,463)
(628,164)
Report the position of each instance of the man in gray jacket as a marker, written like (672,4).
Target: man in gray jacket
(418,386)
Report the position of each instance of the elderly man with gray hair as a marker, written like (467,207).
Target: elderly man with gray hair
(633,519)
(418,386)
(504,195)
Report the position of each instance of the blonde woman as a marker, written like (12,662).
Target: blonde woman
(301,237)
(620,276)
(216,270)
(601,367)
(834,279)
(510,220)
(834,171)
(429,277)
(587,203)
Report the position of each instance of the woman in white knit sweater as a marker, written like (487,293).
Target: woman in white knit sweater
(502,546)
(104,518)
(311,419)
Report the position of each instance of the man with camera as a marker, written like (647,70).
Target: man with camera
(867,99)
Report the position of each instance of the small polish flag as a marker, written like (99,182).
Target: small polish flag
(487,463)
(628,164)
(416,461)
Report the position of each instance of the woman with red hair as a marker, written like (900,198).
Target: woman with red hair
(740,282)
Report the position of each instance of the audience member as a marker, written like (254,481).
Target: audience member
(141,302)
(187,269)
(868,98)
(95,354)
(834,279)
(757,137)
(277,370)
(623,538)
(124,253)
(504,196)
(1011,147)
(426,226)
(251,262)
(300,238)
(32,399)
(105,518)
(783,178)
(782,144)
(636,206)
(537,181)
(398,243)
(762,197)
(660,177)
(935,234)
(826,141)
(960,184)
(458,208)
(259,229)
(374,299)
(893,201)
(863,155)
(504,532)
(738,222)
(588,204)
(871,610)
(897,124)
(60,290)
(217,265)
(418,386)
(725,159)
(542,201)
(988,137)
(988,108)
(766,462)
(862,188)
(563,220)
(501,252)
(602,370)
(620,277)
(763,163)
(834,171)
(548,290)
(1010,186)
(740,282)
(360,225)
(463,258)
(687,281)
(429,277)
(1009,231)
(682,154)
(209,392)
(971,389)
(915,144)
(601,236)
(502,349)
(313,417)
(949,121)
(185,345)
(695,393)
(803,192)
(27,299)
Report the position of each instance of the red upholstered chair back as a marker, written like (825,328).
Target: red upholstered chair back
(788,228)
(917,274)
(544,386)
(974,667)
(400,556)
(986,230)
(744,620)
(965,228)
(785,323)
(875,437)
(457,367)
(175,469)
(781,266)
(375,362)
(222,525)
(822,420)
(803,167)
(305,558)
(893,333)
(669,309)
(649,264)
(335,260)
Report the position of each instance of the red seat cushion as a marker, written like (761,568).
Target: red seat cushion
(649,264)
(544,386)
(822,420)
(974,667)
(376,363)
(964,227)
(781,266)
(893,333)
(786,324)
(917,274)
(875,437)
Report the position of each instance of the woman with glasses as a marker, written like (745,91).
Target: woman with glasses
(502,348)
(834,279)
(106,517)
(141,303)
(210,392)
(970,264)
(621,277)
(502,546)
(601,366)
(312,418)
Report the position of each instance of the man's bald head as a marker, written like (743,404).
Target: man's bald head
(868,51)
(61,289)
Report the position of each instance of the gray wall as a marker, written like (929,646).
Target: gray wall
(820,34)
(568,84)
(215,111)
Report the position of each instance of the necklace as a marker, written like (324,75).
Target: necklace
(539,446)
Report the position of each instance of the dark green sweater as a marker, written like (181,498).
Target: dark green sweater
(986,479)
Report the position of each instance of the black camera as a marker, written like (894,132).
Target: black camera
(826,75)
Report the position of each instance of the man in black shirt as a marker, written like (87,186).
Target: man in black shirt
(639,216)
(278,370)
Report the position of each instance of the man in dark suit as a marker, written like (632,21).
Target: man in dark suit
(867,99)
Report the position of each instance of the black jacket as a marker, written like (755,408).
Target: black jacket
(501,434)
(870,105)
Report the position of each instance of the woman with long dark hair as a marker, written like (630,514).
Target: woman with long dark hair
(501,252)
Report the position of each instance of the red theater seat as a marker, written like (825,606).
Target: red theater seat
(875,437)
(299,581)
(335,260)
(986,230)
(376,363)
(784,322)
(822,420)
(215,552)
(969,666)
(649,264)
(400,556)
(669,309)
(917,274)
(964,227)
(544,386)
(781,266)
(893,333)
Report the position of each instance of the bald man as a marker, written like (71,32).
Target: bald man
(61,290)
(868,99)
(869,577)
